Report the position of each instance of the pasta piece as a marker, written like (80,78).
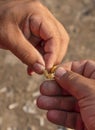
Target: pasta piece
(50,75)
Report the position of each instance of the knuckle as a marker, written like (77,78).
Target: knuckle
(71,77)
(35,5)
(35,19)
(36,23)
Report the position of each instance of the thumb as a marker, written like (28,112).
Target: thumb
(74,83)
(24,50)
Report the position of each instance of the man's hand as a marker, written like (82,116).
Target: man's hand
(31,32)
(70,100)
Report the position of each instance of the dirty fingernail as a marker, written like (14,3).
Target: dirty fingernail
(60,72)
(30,71)
(38,68)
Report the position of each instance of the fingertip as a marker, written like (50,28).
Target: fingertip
(30,71)
(50,60)
(49,65)
(38,102)
(43,102)
(43,87)
(48,115)
(51,115)
(50,88)
(60,72)
(38,68)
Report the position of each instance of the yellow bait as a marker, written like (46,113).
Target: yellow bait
(53,69)
(50,75)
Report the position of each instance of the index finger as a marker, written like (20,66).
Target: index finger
(46,30)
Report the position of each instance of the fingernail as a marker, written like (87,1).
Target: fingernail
(60,72)
(38,68)
(45,84)
(31,73)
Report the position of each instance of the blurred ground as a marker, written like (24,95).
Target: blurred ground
(19,91)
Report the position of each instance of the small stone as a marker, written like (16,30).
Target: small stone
(13,106)
(36,94)
(12,128)
(41,119)
(29,108)
(9,128)
(3,90)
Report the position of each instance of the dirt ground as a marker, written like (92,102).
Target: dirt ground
(18,91)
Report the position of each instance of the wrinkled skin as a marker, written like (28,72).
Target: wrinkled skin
(70,98)
(32,33)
